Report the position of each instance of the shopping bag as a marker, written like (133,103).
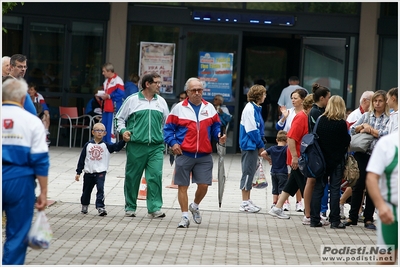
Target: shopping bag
(259,180)
(40,234)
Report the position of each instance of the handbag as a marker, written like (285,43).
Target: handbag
(259,180)
(360,142)
(351,171)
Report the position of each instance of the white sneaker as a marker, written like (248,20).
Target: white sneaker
(324,221)
(299,207)
(277,212)
(306,221)
(252,203)
(248,207)
(286,206)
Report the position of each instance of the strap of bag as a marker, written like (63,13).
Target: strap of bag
(316,124)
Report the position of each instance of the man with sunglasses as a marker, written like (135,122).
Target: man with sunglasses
(140,120)
(189,129)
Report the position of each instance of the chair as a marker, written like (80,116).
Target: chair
(69,119)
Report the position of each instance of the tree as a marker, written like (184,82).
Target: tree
(8,6)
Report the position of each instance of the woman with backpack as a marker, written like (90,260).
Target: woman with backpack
(332,123)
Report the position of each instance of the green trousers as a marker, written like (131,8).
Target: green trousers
(147,158)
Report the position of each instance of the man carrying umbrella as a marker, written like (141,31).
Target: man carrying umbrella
(187,130)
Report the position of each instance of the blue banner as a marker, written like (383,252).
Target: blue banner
(215,70)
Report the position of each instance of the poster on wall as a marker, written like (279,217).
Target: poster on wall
(215,70)
(158,57)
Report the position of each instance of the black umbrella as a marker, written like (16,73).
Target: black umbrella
(221,151)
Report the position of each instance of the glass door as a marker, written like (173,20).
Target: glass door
(325,62)
(64,61)
(199,44)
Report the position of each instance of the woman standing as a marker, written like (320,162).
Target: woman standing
(331,124)
(372,122)
(321,95)
(251,143)
(285,123)
(393,103)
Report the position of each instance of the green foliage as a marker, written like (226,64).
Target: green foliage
(8,6)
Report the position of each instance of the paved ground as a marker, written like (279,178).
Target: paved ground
(225,237)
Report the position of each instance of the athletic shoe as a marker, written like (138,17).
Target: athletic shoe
(156,214)
(277,212)
(324,221)
(299,207)
(84,209)
(306,221)
(273,205)
(196,214)
(252,203)
(342,216)
(286,206)
(184,222)
(370,225)
(102,212)
(248,207)
(130,213)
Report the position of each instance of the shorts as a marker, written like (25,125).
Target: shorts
(388,234)
(249,168)
(296,181)
(279,181)
(201,169)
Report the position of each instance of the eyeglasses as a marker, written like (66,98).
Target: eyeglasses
(99,131)
(158,83)
(196,90)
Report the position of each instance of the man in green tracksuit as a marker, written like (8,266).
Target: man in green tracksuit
(140,120)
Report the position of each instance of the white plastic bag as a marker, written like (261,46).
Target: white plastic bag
(40,234)
(259,180)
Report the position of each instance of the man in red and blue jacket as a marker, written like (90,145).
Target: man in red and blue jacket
(114,93)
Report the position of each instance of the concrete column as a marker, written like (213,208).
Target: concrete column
(367,49)
(116,36)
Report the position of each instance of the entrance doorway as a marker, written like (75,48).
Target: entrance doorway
(273,59)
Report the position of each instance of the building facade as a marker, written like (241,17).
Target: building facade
(348,47)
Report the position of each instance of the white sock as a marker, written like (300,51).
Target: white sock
(195,206)
(185,214)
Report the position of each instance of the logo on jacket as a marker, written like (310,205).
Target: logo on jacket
(204,113)
(96,152)
(8,124)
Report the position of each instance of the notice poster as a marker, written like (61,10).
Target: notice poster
(158,57)
(215,70)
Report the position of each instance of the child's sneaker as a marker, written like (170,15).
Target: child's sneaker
(102,212)
(84,209)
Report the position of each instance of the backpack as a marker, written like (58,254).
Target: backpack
(311,160)
(351,171)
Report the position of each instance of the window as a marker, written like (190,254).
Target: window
(12,39)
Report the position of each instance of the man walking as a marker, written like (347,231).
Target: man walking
(188,130)
(25,158)
(112,97)
(140,120)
